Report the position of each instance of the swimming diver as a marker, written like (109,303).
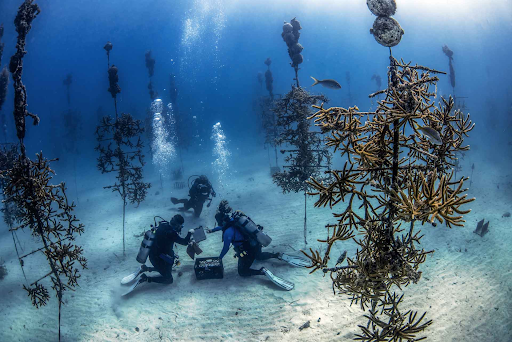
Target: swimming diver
(248,239)
(158,245)
(199,192)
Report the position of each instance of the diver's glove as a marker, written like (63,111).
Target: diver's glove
(208,230)
(191,231)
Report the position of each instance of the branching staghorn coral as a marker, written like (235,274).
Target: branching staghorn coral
(41,206)
(395,176)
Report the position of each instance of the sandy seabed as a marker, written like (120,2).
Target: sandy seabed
(465,288)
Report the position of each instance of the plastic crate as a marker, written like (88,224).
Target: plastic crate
(209,268)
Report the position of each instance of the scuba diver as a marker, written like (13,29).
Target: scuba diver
(248,239)
(199,192)
(158,245)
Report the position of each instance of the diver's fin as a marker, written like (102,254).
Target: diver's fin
(174,200)
(294,261)
(314,79)
(139,281)
(129,278)
(285,284)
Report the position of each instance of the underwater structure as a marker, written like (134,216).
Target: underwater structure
(150,65)
(306,156)
(268,117)
(291,37)
(391,183)
(120,147)
(4,82)
(269,80)
(42,207)
(449,54)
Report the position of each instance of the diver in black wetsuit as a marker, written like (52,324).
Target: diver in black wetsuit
(199,192)
(161,254)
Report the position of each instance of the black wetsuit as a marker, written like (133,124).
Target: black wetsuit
(161,254)
(199,192)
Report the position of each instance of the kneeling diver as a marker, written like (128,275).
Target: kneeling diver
(248,239)
(159,247)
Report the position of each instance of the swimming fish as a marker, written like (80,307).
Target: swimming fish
(341,258)
(327,83)
(430,133)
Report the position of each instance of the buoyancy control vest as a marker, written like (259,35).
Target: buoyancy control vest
(248,228)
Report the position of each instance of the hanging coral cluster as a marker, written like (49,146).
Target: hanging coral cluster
(41,206)
(291,37)
(307,155)
(150,65)
(449,54)
(269,80)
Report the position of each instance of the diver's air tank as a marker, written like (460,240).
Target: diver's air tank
(145,246)
(250,228)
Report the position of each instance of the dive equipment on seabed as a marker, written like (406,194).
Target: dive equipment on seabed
(209,268)
(129,278)
(248,227)
(294,260)
(137,283)
(285,284)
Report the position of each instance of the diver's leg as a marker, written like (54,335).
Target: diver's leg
(166,275)
(198,208)
(174,200)
(265,255)
(187,205)
(164,268)
(245,261)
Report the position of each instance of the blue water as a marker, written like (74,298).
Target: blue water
(216,49)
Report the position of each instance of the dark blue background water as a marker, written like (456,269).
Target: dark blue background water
(217,56)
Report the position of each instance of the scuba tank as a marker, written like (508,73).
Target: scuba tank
(149,239)
(145,246)
(249,228)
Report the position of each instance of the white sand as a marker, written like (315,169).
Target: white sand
(465,287)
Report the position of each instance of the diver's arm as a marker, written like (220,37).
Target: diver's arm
(216,229)
(183,241)
(228,237)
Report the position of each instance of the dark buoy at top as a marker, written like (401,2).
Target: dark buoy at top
(108,47)
(387,31)
(268,61)
(385,8)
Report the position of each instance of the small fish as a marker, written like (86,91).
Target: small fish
(327,83)
(341,258)
(431,134)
